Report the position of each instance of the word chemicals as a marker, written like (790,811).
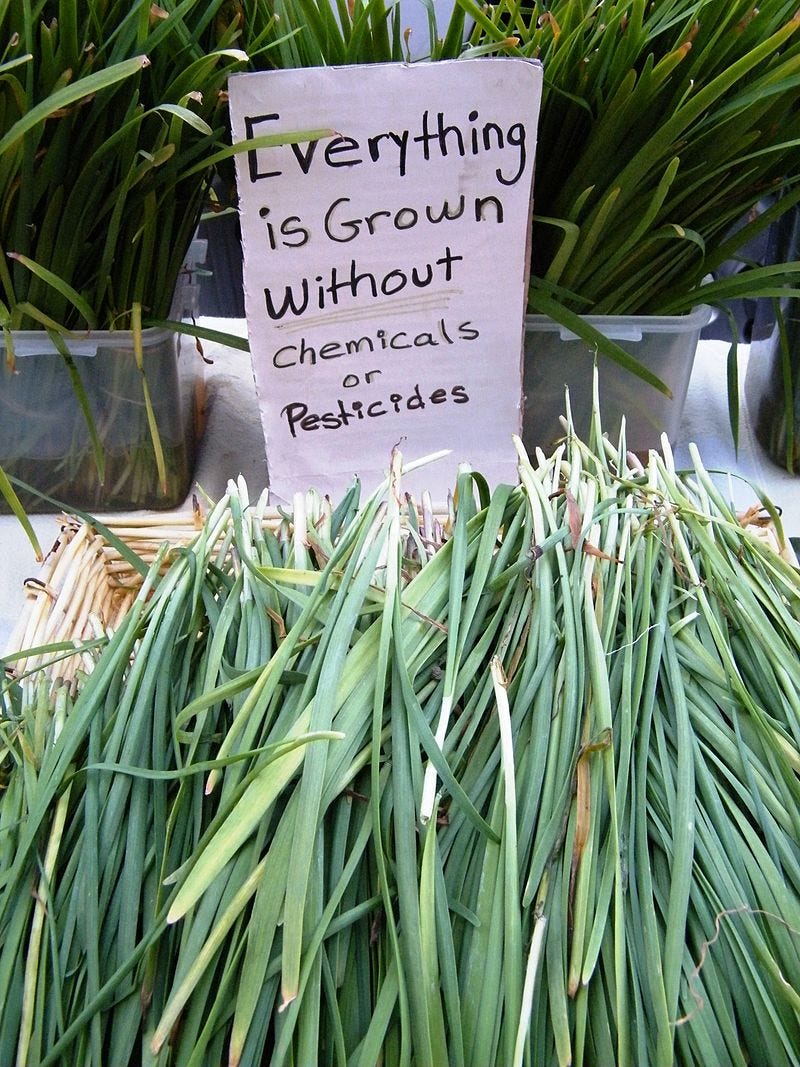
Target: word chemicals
(306,354)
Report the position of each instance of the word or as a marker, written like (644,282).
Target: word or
(304,354)
(435,136)
(298,416)
(394,281)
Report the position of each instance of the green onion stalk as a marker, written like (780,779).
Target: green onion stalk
(245,837)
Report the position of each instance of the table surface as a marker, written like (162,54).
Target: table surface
(233,444)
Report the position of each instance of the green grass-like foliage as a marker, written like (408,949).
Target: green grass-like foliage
(109,115)
(331,797)
(664,125)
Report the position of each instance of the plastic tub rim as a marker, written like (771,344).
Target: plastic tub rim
(39,343)
(696,319)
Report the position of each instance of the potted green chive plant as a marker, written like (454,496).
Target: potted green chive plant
(112,116)
(663,124)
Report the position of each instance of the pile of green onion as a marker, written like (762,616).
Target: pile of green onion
(340,796)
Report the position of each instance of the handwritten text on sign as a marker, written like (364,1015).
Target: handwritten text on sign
(386,266)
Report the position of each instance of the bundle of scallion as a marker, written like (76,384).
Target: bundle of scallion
(330,797)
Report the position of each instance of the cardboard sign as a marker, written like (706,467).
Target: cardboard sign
(386,266)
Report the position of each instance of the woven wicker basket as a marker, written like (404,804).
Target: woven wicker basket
(85,587)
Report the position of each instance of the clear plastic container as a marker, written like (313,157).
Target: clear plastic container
(45,437)
(772,381)
(556,360)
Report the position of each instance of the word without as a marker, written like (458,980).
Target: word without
(295,299)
